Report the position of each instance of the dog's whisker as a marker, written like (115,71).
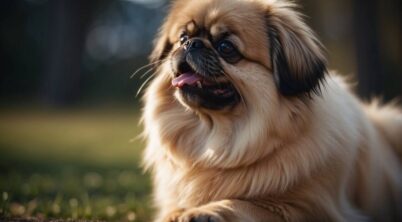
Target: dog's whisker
(147,72)
(146,66)
(140,69)
(144,84)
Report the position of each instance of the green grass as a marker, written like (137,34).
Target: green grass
(72,165)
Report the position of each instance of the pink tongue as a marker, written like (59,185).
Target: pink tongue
(188,78)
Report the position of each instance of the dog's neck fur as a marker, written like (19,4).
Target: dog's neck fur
(224,147)
(205,140)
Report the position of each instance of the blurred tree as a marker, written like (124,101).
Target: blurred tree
(69,20)
(368,54)
(375,78)
(390,23)
(21,39)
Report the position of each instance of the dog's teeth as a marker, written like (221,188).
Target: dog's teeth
(199,84)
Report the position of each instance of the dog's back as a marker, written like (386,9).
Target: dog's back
(378,175)
(388,120)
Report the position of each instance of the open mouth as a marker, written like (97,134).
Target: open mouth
(196,82)
(210,92)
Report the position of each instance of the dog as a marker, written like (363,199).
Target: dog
(244,122)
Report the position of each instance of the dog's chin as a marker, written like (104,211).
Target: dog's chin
(199,92)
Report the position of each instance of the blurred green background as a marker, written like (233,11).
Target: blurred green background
(68,112)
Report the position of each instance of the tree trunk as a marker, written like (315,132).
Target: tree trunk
(68,23)
(369,63)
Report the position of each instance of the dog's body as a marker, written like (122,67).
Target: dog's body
(267,150)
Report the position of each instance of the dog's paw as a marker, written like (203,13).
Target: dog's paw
(199,216)
(192,215)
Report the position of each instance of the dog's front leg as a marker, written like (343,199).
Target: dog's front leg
(231,211)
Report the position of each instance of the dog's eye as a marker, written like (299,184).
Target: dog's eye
(228,51)
(226,48)
(183,38)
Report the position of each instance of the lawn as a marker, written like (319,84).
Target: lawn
(72,164)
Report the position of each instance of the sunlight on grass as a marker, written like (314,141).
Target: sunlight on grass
(72,164)
(80,135)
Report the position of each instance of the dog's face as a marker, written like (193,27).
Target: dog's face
(221,51)
(251,60)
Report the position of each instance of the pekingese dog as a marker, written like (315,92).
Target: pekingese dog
(244,123)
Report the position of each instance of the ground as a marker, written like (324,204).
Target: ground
(72,164)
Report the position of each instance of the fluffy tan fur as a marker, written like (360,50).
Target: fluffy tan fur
(271,157)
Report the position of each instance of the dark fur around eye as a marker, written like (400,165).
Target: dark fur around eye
(228,51)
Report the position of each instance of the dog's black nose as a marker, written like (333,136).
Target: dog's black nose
(194,44)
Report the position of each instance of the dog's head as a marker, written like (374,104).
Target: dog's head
(220,51)
(251,60)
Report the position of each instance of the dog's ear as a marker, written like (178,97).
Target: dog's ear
(297,57)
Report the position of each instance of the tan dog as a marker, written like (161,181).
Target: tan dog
(244,124)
